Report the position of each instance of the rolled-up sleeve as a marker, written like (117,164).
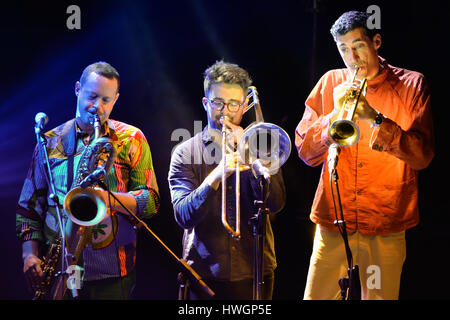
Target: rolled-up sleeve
(311,135)
(142,184)
(414,143)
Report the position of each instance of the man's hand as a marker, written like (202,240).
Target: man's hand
(215,177)
(363,110)
(33,272)
(236,131)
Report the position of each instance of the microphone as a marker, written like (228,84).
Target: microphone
(41,119)
(260,170)
(93,178)
(333,153)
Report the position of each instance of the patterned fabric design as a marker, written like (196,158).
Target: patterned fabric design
(132,171)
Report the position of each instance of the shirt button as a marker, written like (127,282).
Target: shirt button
(359,192)
(377,147)
(360,165)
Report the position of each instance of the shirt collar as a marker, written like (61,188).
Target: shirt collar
(105,130)
(211,135)
(70,132)
(382,75)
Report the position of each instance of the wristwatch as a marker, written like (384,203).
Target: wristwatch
(378,120)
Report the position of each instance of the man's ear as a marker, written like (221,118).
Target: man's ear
(205,103)
(117,97)
(377,41)
(77,88)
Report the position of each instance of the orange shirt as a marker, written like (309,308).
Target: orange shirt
(377,176)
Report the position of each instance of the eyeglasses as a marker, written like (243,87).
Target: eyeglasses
(232,105)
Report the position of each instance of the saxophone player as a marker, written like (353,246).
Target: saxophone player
(109,259)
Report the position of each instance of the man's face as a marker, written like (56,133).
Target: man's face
(97,95)
(228,93)
(357,48)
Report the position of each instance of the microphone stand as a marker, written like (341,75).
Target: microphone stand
(192,275)
(351,286)
(259,229)
(42,149)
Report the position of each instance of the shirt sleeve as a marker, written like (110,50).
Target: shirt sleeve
(32,202)
(311,135)
(189,195)
(142,184)
(414,143)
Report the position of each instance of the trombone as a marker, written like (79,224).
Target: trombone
(251,147)
(344,130)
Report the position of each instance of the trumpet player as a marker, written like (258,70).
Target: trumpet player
(109,259)
(225,263)
(378,171)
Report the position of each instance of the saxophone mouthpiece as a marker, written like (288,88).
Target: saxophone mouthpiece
(96,126)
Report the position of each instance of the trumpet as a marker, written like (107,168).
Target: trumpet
(344,130)
(253,146)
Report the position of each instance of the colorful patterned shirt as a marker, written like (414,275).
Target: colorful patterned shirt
(108,255)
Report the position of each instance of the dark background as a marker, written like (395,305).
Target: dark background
(161,49)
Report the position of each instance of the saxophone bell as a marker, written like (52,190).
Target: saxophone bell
(85,206)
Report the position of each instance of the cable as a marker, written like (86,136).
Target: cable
(345,284)
(340,223)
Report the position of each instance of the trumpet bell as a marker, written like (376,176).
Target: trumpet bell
(85,207)
(344,132)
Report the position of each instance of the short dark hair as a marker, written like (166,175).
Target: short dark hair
(225,72)
(102,68)
(352,20)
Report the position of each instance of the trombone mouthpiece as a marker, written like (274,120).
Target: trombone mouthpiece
(222,118)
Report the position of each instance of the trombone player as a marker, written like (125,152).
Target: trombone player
(378,168)
(196,171)
(109,259)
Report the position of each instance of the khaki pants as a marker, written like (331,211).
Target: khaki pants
(380,260)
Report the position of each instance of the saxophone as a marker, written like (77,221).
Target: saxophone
(85,208)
